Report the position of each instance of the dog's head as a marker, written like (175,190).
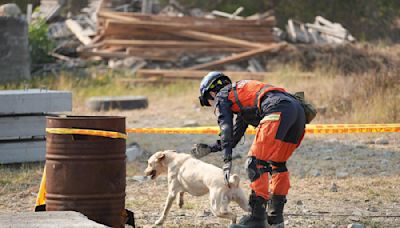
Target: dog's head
(155,165)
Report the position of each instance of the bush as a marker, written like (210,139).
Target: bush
(39,43)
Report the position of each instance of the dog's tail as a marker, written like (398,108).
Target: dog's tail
(234,180)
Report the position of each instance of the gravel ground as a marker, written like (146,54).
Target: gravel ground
(336,180)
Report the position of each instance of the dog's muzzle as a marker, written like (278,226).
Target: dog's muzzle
(153,174)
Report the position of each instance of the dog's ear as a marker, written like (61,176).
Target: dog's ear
(160,156)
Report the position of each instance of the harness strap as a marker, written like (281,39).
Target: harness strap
(235,93)
(281,166)
(257,98)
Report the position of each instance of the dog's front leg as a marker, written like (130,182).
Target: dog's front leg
(180,199)
(171,197)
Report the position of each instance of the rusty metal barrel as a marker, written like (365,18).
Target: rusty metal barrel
(86,173)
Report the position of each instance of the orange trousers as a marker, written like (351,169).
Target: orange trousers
(268,148)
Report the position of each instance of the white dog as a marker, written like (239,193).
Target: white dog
(187,174)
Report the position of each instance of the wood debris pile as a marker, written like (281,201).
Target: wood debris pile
(193,43)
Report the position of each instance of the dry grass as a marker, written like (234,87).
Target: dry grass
(15,178)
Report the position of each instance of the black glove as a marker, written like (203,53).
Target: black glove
(200,150)
(227,172)
(216,146)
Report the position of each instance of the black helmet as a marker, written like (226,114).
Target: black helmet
(213,81)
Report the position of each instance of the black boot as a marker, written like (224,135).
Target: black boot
(258,216)
(275,211)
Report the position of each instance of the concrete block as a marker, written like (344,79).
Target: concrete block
(22,151)
(58,219)
(14,50)
(22,127)
(117,102)
(34,101)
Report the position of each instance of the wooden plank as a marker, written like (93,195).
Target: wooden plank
(219,39)
(160,43)
(179,50)
(191,20)
(214,28)
(77,30)
(197,74)
(238,57)
(103,54)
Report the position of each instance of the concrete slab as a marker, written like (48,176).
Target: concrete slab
(22,127)
(34,101)
(14,50)
(56,219)
(25,151)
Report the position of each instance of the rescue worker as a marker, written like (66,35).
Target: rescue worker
(280,121)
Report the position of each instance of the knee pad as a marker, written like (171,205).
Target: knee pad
(251,169)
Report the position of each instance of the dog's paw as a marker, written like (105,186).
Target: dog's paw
(160,221)
(233,219)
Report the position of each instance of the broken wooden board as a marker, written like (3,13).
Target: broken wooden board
(77,30)
(197,74)
(241,56)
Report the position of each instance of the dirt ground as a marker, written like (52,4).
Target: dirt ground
(336,179)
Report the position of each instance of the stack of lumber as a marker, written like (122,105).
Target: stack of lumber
(23,122)
(169,38)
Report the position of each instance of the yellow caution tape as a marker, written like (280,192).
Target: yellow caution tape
(310,129)
(72,131)
(41,197)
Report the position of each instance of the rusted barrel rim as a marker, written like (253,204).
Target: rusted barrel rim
(84,117)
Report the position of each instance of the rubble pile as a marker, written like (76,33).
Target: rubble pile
(182,42)
(149,40)
(322,31)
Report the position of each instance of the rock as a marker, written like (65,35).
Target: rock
(133,151)
(107,103)
(299,202)
(384,162)
(333,188)
(341,175)
(381,141)
(354,218)
(316,173)
(333,226)
(356,225)
(10,10)
(367,141)
(328,158)
(138,178)
(190,123)
(372,209)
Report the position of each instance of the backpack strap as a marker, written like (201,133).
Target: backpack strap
(235,93)
(266,86)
